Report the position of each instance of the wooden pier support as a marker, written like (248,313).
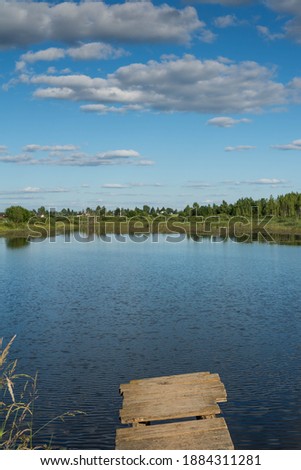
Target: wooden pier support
(173,398)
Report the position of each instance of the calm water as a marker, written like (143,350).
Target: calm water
(89,316)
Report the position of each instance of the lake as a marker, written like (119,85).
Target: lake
(92,315)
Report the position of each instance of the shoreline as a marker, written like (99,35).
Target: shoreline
(284,231)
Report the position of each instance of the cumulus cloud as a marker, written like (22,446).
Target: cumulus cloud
(294,145)
(226,21)
(3,149)
(95,50)
(89,51)
(52,53)
(225,121)
(183,84)
(52,70)
(239,148)
(29,22)
(266,33)
(65,155)
(207,36)
(292,8)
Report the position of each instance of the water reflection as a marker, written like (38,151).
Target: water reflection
(287,239)
(86,236)
(16,243)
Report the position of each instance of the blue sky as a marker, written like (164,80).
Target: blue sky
(132,103)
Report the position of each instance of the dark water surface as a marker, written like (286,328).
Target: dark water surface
(89,316)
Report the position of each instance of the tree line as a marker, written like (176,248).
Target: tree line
(287,205)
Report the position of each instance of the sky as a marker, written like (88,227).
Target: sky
(121,104)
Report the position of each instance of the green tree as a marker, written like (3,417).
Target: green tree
(146,209)
(18,214)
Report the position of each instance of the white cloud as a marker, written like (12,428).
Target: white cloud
(269,181)
(143,185)
(240,148)
(30,22)
(266,33)
(225,121)
(49,148)
(118,154)
(226,21)
(292,8)
(145,163)
(34,190)
(52,53)
(101,109)
(227,3)
(95,50)
(20,158)
(52,70)
(207,36)
(260,181)
(289,8)
(3,149)
(184,84)
(294,145)
(64,155)
(30,189)
(89,51)
(198,184)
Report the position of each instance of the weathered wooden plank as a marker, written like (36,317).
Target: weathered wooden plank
(199,435)
(163,410)
(171,378)
(210,382)
(180,427)
(171,398)
(216,391)
(198,377)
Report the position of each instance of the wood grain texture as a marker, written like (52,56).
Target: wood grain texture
(171,398)
(210,434)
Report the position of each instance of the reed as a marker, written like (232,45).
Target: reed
(18,393)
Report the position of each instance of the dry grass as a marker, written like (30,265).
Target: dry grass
(18,393)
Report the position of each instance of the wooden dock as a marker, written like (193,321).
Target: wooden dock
(173,398)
